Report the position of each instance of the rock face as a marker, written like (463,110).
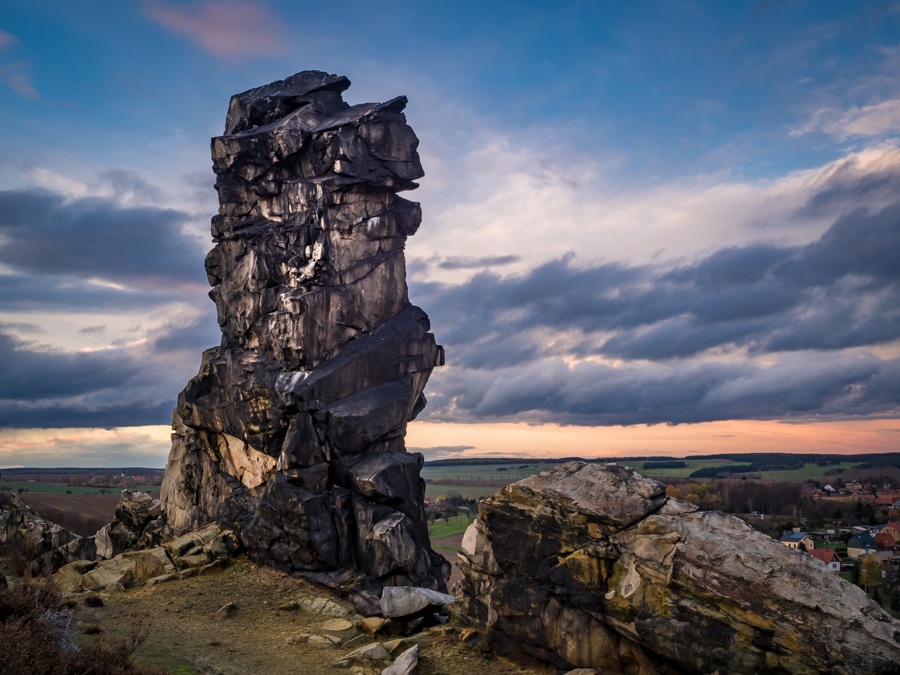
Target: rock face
(292,432)
(592,566)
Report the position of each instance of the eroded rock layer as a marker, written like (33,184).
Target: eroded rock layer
(293,432)
(593,566)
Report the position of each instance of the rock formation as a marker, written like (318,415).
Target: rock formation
(593,566)
(292,434)
(42,546)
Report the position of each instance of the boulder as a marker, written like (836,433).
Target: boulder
(342,629)
(404,602)
(369,655)
(590,566)
(406,664)
(291,434)
(127,568)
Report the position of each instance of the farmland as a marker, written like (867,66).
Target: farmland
(41,488)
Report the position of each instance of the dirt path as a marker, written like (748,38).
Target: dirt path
(256,638)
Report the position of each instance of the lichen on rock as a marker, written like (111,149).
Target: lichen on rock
(592,566)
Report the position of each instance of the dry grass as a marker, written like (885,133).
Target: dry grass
(37,637)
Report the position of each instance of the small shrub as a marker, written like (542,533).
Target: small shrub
(93,601)
(92,629)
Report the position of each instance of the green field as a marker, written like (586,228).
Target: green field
(483,471)
(466,491)
(811,471)
(456,525)
(692,465)
(62,488)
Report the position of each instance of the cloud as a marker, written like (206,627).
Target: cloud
(15,75)
(872,120)
(799,385)
(8,40)
(231,29)
(839,291)
(95,238)
(117,386)
(142,446)
(465,262)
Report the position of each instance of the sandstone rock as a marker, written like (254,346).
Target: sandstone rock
(128,568)
(603,572)
(299,639)
(292,432)
(370,655)
(395,647)
(406,602)
(406,664)
(371,624)
(339,628)
(323,640)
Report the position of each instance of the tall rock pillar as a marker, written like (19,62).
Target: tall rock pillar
(293,431)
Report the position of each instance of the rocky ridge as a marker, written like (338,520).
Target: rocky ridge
(594,567)
(292,434)
(44,546)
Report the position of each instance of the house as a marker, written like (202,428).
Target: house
(893,529)
(884,501)
(860,544)
(852,486)
(883,546)
(827,556)
(885,541)
(794,539)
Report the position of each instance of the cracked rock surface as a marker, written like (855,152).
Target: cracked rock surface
(590,566)
(292,434)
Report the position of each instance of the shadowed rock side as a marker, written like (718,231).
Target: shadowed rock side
(592,566)
(292,434)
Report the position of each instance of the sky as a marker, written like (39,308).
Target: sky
(661,228)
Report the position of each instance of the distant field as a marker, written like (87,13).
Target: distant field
(810,471)
(484,471)
(62,488)
(455,525)
(692,465)
(90,506)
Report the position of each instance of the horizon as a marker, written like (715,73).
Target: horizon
(632,242)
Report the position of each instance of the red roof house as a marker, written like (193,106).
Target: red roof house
(827,556)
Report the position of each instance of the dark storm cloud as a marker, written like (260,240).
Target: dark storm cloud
(42,234)
(63,415)
(837,292)
(25,293)
(30,374)
(42,387)
(801,385)
(194,338)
